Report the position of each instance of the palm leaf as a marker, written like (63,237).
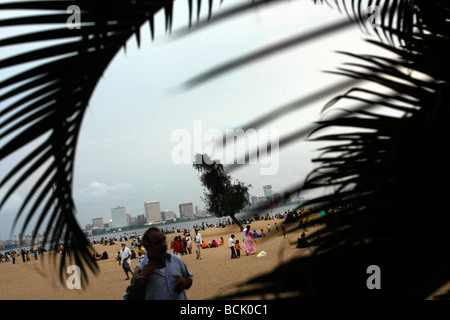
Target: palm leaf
(387,174)
(49,99)
(369,168)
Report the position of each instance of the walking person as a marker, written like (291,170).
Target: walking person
(189,243)
(244,233)
(249,242)
(231,245)
(125,255)
(284,231)
(198,244)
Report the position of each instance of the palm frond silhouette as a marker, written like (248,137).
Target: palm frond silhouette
(51,100)
(393,166)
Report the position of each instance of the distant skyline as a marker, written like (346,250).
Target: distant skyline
(125,145)
(109,216)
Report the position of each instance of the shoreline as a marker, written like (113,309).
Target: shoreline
(173,225)
(215,275)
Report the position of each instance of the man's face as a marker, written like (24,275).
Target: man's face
(157,244)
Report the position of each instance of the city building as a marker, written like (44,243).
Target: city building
(186,211)
(97,223)
(140,219)
(119,217)
(268,192)
(152,211)
(168,215)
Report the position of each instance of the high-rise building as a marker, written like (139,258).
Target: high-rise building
(152,211)
(140,219)
(168,215)
(97,223)
(186,211)
(268,192)
(119,217)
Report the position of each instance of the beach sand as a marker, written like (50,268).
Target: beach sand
(215,275)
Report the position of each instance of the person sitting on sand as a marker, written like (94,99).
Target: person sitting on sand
(302,242)
(214,244)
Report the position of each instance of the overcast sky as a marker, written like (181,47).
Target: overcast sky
(125,151)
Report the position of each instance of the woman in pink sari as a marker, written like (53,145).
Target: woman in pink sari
(249,242)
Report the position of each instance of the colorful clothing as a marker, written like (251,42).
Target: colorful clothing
(250,244)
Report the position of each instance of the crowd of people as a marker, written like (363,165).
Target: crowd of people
(181,245)
(25,253)
(189,241)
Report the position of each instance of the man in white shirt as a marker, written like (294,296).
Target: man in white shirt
(161,275)
(125,255)
(231,246)
(198,244)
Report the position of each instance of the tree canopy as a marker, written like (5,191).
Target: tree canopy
(222,196)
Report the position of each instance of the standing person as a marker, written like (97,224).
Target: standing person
(125,255)
(238,249)
(177,246)
(249,243)
(161,275)
(244,233)
(268,227)
(198,244)
(184,242)
(189,243)
(284,231)
(231,246)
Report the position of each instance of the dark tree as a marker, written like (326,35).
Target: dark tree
(222,196)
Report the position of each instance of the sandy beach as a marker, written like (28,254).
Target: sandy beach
(215,275)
